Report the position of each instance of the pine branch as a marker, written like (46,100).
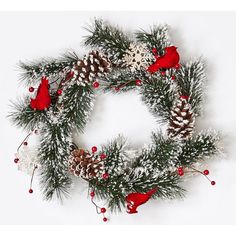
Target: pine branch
(159,95)
(190,79)
(167,184)
(114,164)
(202,146)
(70,111)
(118,187)
(57,123)
(77,103)
(109,39)
(32,71)
(112,192)
(115,161)
(162,155)
(124,178)
(24,116)
(54,153)
(157,38)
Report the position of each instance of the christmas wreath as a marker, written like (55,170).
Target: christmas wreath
(61,97)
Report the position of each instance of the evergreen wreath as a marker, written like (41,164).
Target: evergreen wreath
(62,103)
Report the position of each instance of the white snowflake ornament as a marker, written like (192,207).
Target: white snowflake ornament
(28,160)
(137,57)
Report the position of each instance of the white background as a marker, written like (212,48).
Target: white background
(34,35)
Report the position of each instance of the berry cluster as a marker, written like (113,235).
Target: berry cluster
(100,210)
(181,171)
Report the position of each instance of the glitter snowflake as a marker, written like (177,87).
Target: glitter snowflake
(137,57)
(28,160)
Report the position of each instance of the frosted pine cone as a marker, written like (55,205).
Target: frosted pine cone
(181,122)
(92,66)
(85,165)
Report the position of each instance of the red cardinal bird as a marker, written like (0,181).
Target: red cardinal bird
(136,199)
(169,60)
(43,99)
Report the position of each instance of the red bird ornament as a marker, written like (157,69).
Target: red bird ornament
(43,99)
(167,61)
(136,199)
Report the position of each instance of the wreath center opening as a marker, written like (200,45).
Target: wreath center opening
(114,115)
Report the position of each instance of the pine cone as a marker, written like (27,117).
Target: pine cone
(92,66)
(181,121)
(85,165)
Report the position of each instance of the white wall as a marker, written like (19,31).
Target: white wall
(33,35)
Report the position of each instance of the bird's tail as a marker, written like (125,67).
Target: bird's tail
(33,103)
(151,192)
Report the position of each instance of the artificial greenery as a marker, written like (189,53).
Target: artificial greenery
(23,116)
(54,153)
(159,95)
(157,38)
(32,71)
(109,39)
(129,171)
(190,78)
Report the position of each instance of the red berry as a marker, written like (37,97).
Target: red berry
(184,97)
(16,160)
(31,89)
(138,82)
(117,89)
(163,73)
(94,149)
(172,77)
(103,210)
(31,190)
(105,219)
(25,143)
(96,84)
(105,175)
(213,182)
(103,156)
(177,66)
(70,75)
(206,172)
(59,92)
(92,194)
(180,171)
(154,50)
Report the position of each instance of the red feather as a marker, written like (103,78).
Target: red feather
(136,199)
(169,60)
(43,99)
